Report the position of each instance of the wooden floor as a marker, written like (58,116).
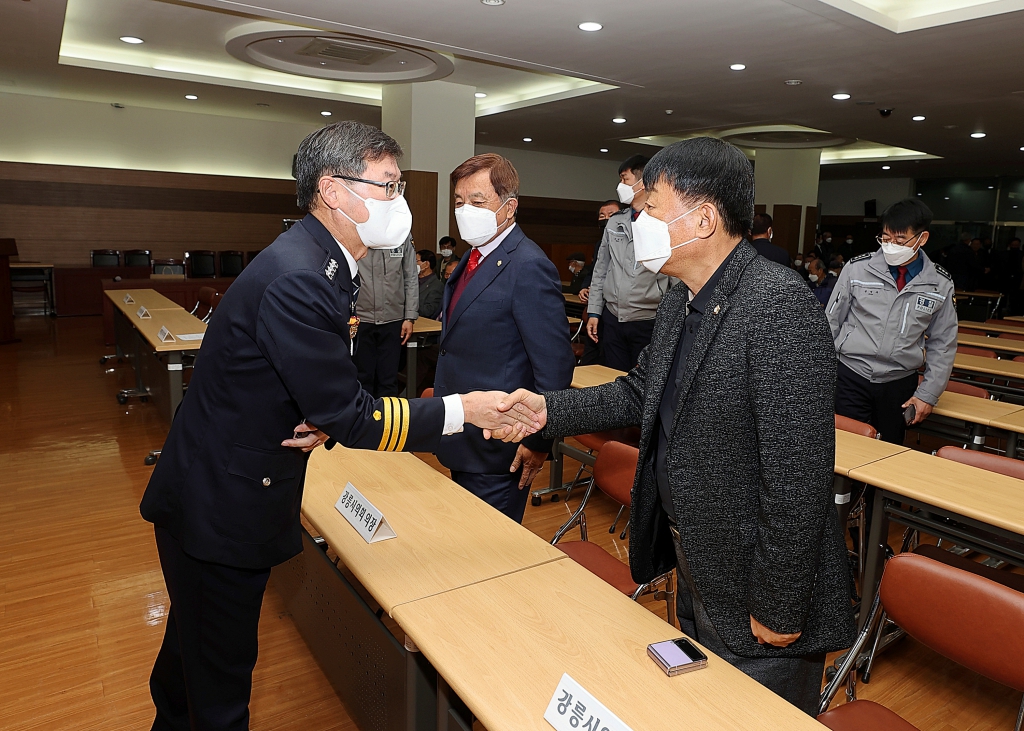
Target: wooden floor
(82,601)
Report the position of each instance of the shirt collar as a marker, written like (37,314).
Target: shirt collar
(699,301)
(353,267)
(488,248)
(913,268)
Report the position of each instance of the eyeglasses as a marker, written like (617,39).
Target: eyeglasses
(392,188)
(886,239)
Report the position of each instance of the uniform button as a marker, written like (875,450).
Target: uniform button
(266,482)
(443,351)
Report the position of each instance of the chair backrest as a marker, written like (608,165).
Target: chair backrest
(200,264)
(231,263)
(985,461)
(845,423)
(970,331)
(137,258)
(969,619)
(969,350)
(105,257)
(1013,336)
(967,389)
(615,470)
(168,266)
(1006,323)
(209,297)
(427,393)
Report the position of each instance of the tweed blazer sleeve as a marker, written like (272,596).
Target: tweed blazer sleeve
(795,431)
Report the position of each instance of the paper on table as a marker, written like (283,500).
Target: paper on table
(191,336)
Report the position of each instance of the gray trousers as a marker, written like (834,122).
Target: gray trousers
(797,679)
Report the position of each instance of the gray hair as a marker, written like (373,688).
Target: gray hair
(342,148)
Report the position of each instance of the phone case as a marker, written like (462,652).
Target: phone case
(677,670)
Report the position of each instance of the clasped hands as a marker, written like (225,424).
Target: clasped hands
(508,417)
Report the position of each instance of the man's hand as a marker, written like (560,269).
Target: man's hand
(766,636)
(592,327)
(528,408)
(530,461)
(584,295)
(922,408)
(481,409)
(406,331)
(307,438)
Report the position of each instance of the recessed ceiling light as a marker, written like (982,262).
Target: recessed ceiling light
(1022,149)
(590,27)
(262,104)
(480,95)
(841,97)
(991,187)
(604,149)
(191,97)
(131,39)
(793,82)
(949,126)
(669,111)
(946,198)
(918,118)
(323,63)
(325,113)
(619,120)
(886,167)
(919,194)
(527,139)
(738,67)
(493,2)
(977,135)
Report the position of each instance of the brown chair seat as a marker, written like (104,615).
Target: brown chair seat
(1011,580)
(863,716)
(601,563)
(427,393)
(595,441)
(971,350)
(845,423)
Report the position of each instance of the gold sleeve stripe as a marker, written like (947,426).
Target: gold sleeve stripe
(396,430)
(404,403)
(385,435)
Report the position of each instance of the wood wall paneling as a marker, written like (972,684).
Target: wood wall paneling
(77,291)
(421,194)
(561,227)
(786,226)
(810,226)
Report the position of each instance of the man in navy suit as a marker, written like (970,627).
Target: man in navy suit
(504,326)
(226,493)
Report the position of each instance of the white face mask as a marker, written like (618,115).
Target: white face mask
(849,241)
(828,240)
(896,255)
(446,253)
(807,265)
(389,223)
(625,193)
(652,243)
(813,277)
(798,262)
(477,225)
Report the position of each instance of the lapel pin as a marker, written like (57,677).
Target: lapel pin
(499,262)
(717,308)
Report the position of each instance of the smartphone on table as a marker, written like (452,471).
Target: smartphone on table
(677,656)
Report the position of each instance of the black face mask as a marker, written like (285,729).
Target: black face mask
(604,224)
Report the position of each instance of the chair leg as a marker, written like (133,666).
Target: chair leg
(849,663)
(622,509)
(866,673)
(1020,717)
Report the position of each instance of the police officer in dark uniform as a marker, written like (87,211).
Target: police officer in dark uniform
(226,493)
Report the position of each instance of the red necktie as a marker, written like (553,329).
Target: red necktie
(471,265)
(901,280)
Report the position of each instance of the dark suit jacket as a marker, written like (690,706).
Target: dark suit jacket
(431,291)
(276,352)
(770,251)
(750,457)
(508,331)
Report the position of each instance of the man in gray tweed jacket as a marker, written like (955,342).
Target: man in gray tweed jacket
(733,397)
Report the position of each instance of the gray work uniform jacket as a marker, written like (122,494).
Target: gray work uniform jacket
(629,290)
(883,335)
(389,287)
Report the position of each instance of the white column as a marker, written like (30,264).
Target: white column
(787,177)
(435,123)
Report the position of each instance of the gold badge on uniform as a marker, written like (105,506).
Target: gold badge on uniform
(353,327)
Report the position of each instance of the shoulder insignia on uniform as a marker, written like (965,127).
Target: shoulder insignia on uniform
(861,257)
(376,415)
(396,424)
(943,272)
(332,269)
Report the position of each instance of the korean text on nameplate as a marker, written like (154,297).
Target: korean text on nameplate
(572,708)
(362,515)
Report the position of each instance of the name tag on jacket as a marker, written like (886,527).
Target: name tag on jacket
(396,253)
(925,304)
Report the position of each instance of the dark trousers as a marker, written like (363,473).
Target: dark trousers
(500,491)
(202,677)
(797,679)
(378,350)
(621,342)
(878,404)
(591,350)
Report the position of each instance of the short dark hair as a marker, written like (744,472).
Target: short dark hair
(908,215)
(342,148)
(762,222)
(446,240)
(1015,238)
(816,263)
(708,170)
(428,256)
(610,202)
(503,176)
(635,164)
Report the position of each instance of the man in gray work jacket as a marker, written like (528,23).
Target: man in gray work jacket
(624,295)
(387,305)
(891,313)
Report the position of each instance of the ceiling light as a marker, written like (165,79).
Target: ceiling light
(841,97)
(946,198)
(886,167)
(493,2)
(1022,149)
(918,118)
(737,67)
(793,82)
(991,187)
(619,120)
(669,111)
(977,135)
(262,104)
(527,139)
(131,39)
(605,149)
(919,194)
(325,114)
(191,97)
(590,27)
(480,95)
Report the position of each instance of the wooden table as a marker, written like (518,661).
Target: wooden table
(572,298)
(1000,345)
(517,634)
(1013,424)
(181,291)
(28,271)
(921,491)
(148,298)
(422,329)
(1015,327)
(989,366)
(853,451)
(594,375)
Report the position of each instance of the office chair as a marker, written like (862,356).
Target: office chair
(169,267)
(208,300)
(231,263)
(105,257)
(200,265)
(138,258)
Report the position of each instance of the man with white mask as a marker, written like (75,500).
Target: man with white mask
(225,495)
(891,313)
(623,296)
(504,322)
(734,479)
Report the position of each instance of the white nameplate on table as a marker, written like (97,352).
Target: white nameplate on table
(363,516)
(573,709)
(165,335)
(143,314)
(191,336)
(128,300)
